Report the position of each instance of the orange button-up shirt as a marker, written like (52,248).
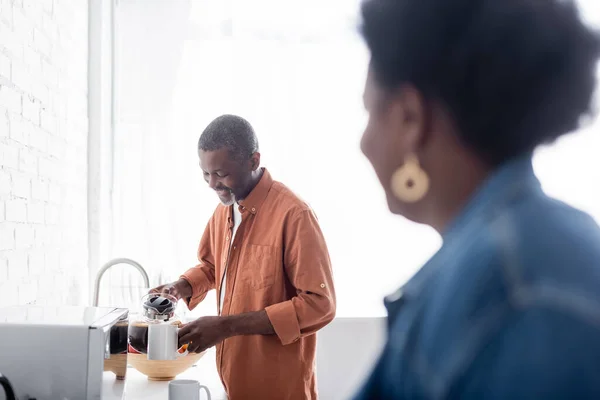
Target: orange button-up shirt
(278,262)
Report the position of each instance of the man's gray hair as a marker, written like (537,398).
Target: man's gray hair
(230,132)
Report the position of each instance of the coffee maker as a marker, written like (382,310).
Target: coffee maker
(60,352)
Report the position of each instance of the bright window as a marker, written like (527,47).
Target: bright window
(295,70)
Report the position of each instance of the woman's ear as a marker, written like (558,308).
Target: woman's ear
(411,115)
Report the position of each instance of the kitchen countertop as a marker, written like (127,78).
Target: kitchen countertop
(137,386)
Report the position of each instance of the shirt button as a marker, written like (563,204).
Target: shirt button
(253,209)
(234,247)
(322,286)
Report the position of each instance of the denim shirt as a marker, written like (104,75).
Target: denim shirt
(508,308)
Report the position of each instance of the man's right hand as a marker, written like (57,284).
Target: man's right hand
(180,289)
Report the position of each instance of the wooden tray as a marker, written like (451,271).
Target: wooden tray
(159,370)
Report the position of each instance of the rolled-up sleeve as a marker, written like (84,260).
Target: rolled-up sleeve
(308,268)
(202,277)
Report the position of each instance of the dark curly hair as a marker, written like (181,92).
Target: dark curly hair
(512,73)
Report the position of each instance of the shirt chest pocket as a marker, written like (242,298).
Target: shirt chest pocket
(258,269)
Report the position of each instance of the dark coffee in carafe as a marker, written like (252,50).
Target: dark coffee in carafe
(138,337)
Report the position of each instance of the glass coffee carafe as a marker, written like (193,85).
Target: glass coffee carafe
(156,309)
(153,340)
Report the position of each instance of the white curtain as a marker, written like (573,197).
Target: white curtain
(295,70)
(149,42)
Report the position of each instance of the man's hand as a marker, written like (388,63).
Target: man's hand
(206,332)
(203,333)
(180,289)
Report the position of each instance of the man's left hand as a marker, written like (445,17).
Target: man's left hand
(203,333)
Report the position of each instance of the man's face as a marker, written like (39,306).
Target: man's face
(225,175)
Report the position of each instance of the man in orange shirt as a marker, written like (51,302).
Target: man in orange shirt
(265,255)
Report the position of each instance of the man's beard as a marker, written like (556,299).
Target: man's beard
(230,200)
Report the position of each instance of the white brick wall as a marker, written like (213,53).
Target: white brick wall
(43,150)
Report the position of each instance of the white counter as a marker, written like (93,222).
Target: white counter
(343,363)
(137,386)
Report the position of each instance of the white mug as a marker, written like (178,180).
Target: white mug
(186,389)
(163,342)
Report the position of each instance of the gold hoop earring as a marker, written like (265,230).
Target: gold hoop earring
(409,182)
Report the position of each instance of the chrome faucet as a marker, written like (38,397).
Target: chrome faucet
(109,264)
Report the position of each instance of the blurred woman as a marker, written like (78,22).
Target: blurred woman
(459,95)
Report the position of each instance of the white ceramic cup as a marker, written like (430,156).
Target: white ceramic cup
(186,389)
(163,342)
